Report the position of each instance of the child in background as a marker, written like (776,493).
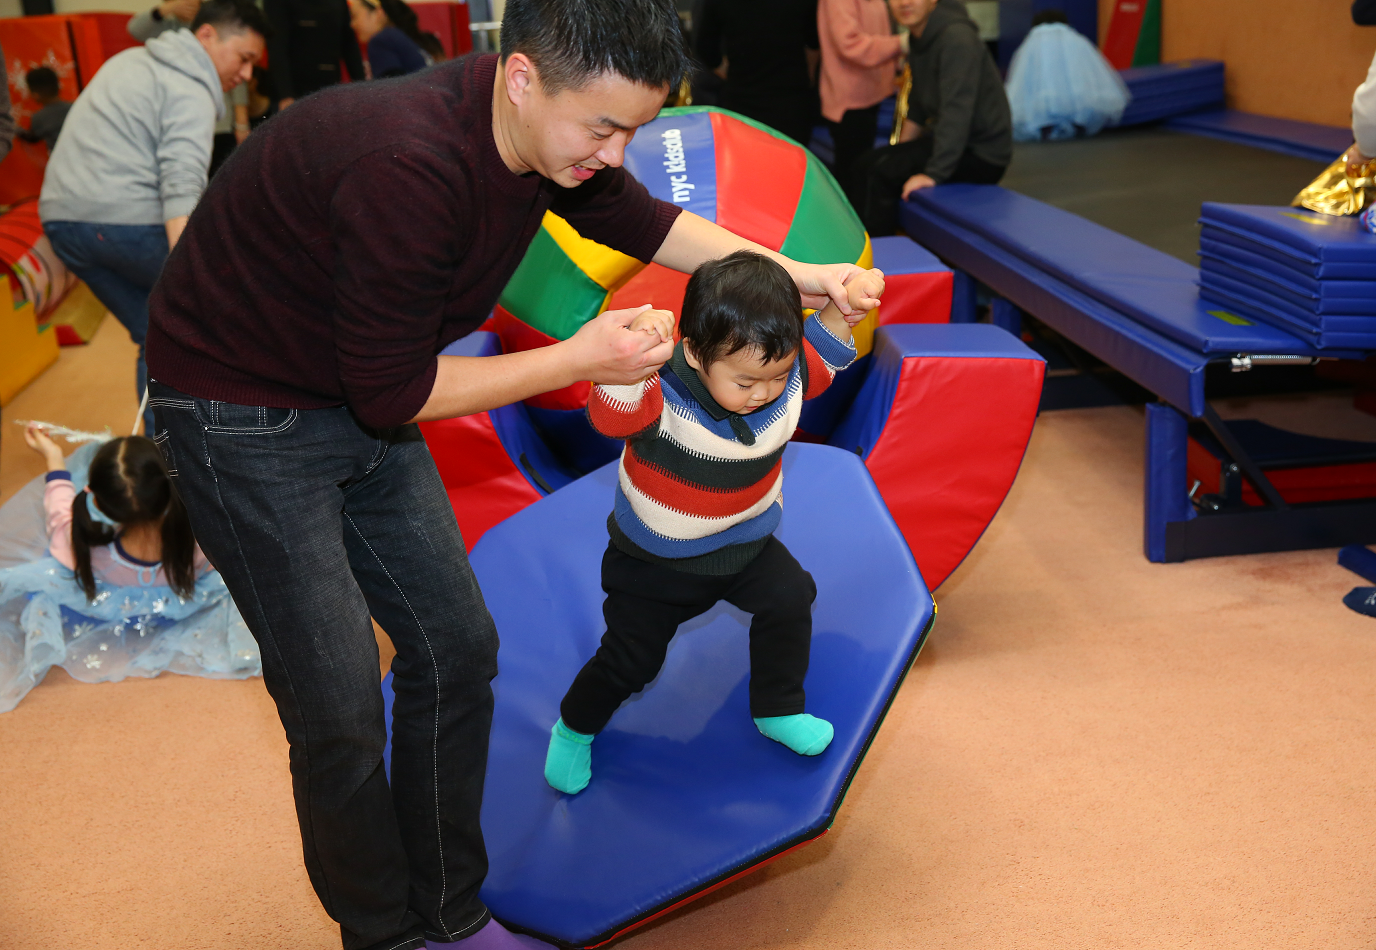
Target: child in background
(700,496)
(1059,84)
(47,121)
(124,590)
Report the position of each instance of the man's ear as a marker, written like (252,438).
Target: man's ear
(207,34)
(520,76)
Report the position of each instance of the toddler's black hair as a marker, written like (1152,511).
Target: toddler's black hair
(744,301)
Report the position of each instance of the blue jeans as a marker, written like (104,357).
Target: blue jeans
(120,263)
(316,524)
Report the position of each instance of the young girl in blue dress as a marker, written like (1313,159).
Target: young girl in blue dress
(123,590)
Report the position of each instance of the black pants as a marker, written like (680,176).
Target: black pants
(317,523)
(877,180)
(794,115)
(852,137)
(645,605)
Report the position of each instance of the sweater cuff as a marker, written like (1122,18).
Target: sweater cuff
(178,206)
(58,475)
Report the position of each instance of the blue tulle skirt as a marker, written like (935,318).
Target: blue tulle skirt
(46,621)
(1060,86)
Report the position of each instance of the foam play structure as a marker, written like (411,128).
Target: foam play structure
(971,391)
(686,794)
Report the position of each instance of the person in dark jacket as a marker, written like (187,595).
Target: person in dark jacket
(769,51)
(309,38)
(959,126)
(390,32)
(47,121)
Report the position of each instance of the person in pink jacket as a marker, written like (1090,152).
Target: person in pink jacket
(859,60)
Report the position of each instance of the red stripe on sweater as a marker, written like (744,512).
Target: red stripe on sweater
(616,422)
(819,374)
(692,499)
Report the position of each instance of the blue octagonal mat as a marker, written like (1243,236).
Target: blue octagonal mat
(686,794)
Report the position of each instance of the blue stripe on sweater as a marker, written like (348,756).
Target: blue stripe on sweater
(676,393)
(836,353)
(762,525)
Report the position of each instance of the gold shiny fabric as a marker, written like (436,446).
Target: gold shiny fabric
(900,107)
(1334,192)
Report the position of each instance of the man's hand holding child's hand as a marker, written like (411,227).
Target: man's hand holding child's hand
(660,322)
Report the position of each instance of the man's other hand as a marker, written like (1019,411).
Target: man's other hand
(611,356)
(917,183)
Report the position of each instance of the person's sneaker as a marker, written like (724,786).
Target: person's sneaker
(1362,600)
(568,763)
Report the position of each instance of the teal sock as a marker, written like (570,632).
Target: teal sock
(804,734)
(568,764)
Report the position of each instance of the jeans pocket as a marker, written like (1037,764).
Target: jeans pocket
(164,444)
(227,418)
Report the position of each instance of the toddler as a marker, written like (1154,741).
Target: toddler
(699,498)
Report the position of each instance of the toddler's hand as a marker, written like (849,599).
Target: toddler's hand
(39,441)
(864,289)
(660,322)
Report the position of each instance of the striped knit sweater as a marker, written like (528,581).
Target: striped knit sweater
(701,488)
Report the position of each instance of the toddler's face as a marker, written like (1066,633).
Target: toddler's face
(742,382)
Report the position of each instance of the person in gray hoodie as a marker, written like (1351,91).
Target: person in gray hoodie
(959,126)
(132,159)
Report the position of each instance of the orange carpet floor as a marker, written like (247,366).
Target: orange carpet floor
(1092,752)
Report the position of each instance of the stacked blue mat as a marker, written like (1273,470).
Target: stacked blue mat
(1311,274)
(1171,89)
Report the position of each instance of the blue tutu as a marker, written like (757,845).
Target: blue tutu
(46,621)
(1060,86)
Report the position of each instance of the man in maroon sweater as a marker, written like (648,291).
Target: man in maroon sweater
(293,343)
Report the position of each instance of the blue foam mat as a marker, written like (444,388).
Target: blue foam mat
(1300,317)
(1313,236)
(1148,285)
(1320,143)
(686,793)
(1282,255)
(1253,260)
(1272,283)
(899,254)
(1337,343)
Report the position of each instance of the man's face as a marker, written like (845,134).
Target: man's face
(233,53)
(912,13)
(742,382)
(567,137)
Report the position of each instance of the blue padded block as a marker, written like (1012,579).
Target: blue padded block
(820,416)
(699,154)
(1360,560)
(1308,235)
(1169,369)
(1264,286)
(1260,264)
(685,791)
(478,343)
(898,254)
(1171,89)
(573,440)
(1153,288)
(1320,143)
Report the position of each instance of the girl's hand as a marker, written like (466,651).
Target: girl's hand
(39,441)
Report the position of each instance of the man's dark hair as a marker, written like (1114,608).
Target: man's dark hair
(232,16)
(744,301)
(42,83)
(572,42)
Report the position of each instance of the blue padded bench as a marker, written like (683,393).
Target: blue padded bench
(1319,143)
(1139,311)
(1172,89)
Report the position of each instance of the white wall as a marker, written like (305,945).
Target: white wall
(9,8)
(14,8)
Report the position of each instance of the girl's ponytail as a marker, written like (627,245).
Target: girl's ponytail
(178,546)
(86,534)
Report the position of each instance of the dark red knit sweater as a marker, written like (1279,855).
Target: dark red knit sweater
(356,235)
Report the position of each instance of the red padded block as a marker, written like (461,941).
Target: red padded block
(1296,485)
(484,485)
(916,298)
(759,181)
(449,22)
(950,450)
(517,336)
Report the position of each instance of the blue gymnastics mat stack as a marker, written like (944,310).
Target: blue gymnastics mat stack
(1171,89)
(1311,274)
